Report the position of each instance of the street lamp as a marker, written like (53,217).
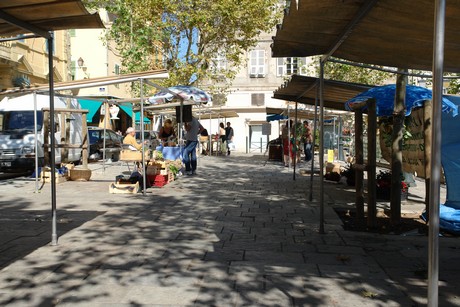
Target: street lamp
(81,64)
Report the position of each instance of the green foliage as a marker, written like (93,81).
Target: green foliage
(349,73)
(173,169)
(186,36)
(386,129)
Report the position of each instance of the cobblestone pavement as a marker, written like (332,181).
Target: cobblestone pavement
(240,233)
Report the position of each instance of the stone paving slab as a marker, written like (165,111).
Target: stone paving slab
(238,234)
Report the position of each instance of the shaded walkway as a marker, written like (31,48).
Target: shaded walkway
(238,234)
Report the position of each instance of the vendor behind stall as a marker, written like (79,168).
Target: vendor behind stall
(130,139)
(167,133)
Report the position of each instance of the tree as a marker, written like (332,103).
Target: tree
(188,37)
(349,73)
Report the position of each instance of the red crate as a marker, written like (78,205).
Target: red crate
(159,184)
(158,180)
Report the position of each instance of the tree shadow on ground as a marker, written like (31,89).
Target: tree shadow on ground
(238,234)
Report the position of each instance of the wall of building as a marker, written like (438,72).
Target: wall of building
(99,60)
(26,61)
(254,91)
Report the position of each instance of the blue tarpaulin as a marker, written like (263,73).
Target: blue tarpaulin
(272,117)
(385,97)
(449,214)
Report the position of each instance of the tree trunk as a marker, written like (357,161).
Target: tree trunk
(359,159)
(427,106)
(396,152)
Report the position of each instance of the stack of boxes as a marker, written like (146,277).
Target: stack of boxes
(158,173)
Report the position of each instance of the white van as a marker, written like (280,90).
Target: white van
(17,137)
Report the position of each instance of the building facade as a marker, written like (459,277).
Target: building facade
(91,57)
(25,61)
(251,93)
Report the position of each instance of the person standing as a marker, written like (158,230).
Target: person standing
(222,138)
(192,129)
(286,134)
(167,132)
(307,142)
(228,136)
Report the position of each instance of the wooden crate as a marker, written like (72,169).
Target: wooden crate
(133,155)
(124,188)
(275,152)
(170,176)
(45,176)
(159,164)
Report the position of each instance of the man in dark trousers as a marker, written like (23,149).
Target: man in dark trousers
(228,136)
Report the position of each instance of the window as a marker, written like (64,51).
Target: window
(257,100)
(291,66)
(257,64)
(280,68)
(117,69)
(287,66)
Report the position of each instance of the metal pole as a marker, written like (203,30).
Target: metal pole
(142,136)
(54,236)
(36,142)
(210,135)
(289,136)
(313,145)
(321,149)
(434,199)
(106,111)
(334,137)
(295,143)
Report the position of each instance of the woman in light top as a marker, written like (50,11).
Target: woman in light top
(130,139)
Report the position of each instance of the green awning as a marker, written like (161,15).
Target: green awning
(129,110)
(92,105)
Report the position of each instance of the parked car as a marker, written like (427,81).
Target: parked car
(151,137)
(113,144)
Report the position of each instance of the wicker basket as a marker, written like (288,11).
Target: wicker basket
(80,174)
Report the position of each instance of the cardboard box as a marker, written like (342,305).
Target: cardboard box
(333,167)
(124,188)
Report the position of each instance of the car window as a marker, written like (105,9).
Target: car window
(107,135)
(93,136)
(113,136)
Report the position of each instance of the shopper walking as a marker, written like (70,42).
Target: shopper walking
(229,136)
(307,141)
(192,129)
